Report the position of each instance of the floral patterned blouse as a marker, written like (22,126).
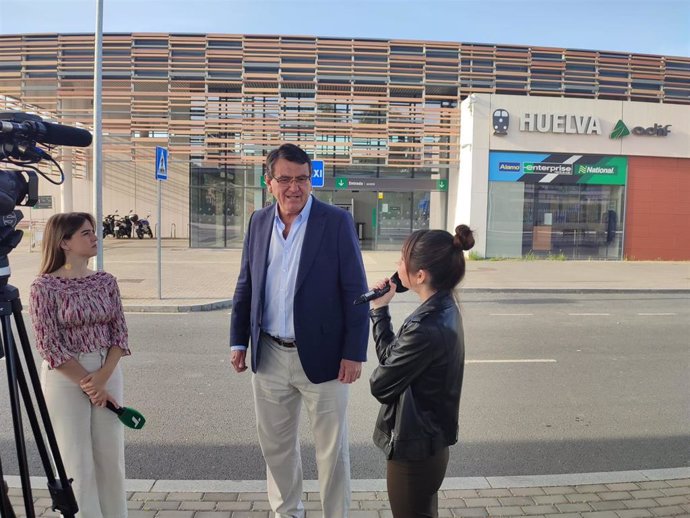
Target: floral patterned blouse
(72,316)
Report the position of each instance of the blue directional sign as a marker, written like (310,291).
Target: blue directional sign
(317,173)
(161,163)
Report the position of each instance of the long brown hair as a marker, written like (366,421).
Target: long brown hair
(59,227)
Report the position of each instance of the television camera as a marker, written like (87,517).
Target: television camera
(20,134)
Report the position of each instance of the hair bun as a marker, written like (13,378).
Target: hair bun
(464,238)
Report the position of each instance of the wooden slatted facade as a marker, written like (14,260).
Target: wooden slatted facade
(358,104)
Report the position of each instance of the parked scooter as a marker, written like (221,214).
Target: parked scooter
(142,226)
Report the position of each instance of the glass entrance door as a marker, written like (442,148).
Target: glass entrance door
(221,203)
(207,208)
(394,213)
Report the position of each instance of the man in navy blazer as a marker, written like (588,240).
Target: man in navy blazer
(301,271)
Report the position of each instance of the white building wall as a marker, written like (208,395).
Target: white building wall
(676,144)
(467,201)
(126,187)
(468,194)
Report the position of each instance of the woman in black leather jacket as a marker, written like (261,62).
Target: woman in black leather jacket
(419,376)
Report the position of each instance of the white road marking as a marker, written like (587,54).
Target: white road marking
(656,314)
(511,314)
(536,360)
(589,314)
(169,313)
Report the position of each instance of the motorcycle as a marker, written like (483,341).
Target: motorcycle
(109,225)
(123,226)
(142,226)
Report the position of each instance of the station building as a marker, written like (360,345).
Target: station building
(545,151)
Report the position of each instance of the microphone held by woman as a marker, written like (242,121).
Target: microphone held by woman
(378,292)
(129,417)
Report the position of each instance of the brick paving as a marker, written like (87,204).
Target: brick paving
(642,499)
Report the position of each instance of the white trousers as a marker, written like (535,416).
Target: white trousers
(280,386)
(91,439)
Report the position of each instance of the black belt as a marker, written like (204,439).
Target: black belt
(280,341)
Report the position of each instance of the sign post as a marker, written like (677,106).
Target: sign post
(161,175)
(317,175)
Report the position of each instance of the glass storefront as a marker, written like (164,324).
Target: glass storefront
(383,220)
(223,199)
(576,212)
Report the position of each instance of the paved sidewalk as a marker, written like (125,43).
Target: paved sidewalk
(194,279)
(627,494)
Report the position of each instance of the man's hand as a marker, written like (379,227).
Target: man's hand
(350,371)
(237,360)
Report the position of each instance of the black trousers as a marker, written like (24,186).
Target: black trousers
(413,485)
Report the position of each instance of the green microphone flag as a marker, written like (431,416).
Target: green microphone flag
(128,416)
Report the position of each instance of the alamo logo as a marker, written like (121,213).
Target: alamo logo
(509,166)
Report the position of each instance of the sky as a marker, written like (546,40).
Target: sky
(636,26)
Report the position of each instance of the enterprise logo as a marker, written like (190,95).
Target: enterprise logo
(548,168)
(509,166)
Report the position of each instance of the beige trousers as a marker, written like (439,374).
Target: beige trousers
(280,387)
(91,439)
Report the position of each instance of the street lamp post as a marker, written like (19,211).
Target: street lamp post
(98,133)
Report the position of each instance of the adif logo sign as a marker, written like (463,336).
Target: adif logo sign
(621,130)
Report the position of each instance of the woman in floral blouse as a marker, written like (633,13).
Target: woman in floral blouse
(81,334)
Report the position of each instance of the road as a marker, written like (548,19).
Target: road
(557,383)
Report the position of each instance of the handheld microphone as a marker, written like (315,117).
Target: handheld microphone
(376,292)
(47,133)
(128,416)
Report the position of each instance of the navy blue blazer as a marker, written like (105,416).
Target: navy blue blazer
(328,327)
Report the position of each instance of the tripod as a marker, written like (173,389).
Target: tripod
(60,488)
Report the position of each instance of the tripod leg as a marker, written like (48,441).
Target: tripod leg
(6,510)
(12,366)
(60,489)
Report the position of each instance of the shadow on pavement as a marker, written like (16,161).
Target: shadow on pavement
(244,462)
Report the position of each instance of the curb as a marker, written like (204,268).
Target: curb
(187,308)
(632,291)
(367,485)
(132,307)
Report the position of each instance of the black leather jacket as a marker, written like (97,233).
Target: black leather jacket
(418,379)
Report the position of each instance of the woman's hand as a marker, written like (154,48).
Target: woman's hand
(386,297)
(94,384)
(100,399)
